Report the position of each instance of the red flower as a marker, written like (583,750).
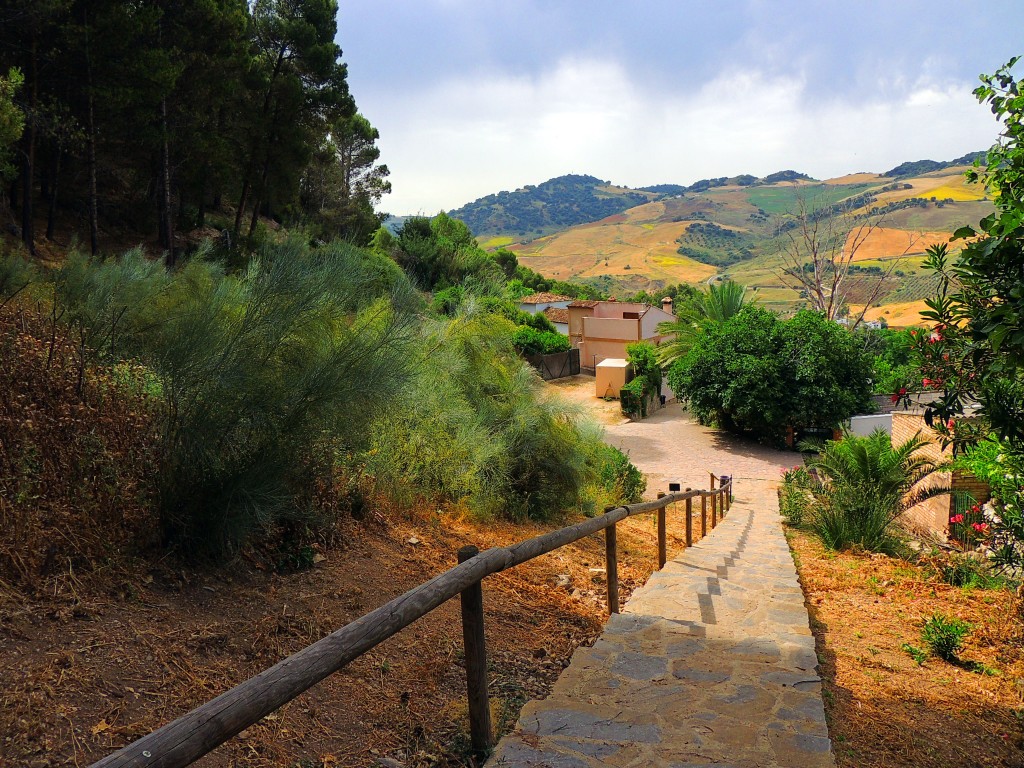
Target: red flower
(903,390)
(980,527)
(950,424)
(956,519)
(896,398)
(927,382)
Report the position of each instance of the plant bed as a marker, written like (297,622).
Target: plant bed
(884,708)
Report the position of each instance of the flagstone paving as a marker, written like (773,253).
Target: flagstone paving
(712,662)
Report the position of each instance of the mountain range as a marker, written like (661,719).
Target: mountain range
(584,229)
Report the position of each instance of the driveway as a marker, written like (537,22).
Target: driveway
(670,445)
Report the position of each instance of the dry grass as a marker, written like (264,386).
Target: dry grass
(647,247)
(900,315)
(883,708)
(889,243)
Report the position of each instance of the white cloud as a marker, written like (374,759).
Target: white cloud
(487,131)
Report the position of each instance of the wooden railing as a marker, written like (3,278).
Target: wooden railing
(191,736)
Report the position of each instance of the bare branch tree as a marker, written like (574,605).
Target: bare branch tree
(820,246)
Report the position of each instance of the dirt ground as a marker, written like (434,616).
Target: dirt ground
(884,709)
(84,674)
(671,446)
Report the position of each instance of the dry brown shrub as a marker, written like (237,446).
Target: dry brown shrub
(76,469)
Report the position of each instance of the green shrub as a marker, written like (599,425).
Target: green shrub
(261,376)
(945,636)
(795,496)
(966,570)
(619,476)
(865,486)
(530,341)
(633,398)
(475,425)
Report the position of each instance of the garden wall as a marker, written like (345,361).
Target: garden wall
(932,516)
(556,366)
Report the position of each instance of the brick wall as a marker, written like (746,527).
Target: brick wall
(932,515)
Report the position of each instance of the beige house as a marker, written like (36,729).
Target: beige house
(539,302)
(602,329)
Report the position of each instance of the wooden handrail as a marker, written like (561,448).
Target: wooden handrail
(183,741)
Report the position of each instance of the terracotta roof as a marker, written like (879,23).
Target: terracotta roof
(556,315)
(584,303)
(543,298)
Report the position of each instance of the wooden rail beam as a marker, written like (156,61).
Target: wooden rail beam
(183,741)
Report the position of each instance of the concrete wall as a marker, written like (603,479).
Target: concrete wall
(535,309)
(576,318)
(865,425)
(611,329)
(649,322)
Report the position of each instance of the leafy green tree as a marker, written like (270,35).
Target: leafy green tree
(301,85)
(759,374)
(343,183)
(973,353)
(12,119)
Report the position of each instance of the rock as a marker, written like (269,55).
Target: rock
(387,762)
(563,580)
(412,540)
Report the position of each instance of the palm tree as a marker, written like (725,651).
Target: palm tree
(866,483)
(716,305)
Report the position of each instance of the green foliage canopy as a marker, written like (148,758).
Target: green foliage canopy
(759,374)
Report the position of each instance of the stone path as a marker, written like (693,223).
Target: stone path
(711,662)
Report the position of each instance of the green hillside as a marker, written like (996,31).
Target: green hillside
(556,204)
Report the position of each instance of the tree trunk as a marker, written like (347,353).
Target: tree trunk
(51,214)
(94,218)
(166,200)
(29,160)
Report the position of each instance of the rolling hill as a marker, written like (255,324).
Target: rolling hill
(732,227)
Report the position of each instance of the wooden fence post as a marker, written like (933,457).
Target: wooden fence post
(472,598)
(703,515)
(714,509)
(612,568)
(689,520)
(712,480)
(662,543)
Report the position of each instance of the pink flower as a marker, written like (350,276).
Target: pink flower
(956,519)
(950,424)
(927,382)
(980,527)
(934,337)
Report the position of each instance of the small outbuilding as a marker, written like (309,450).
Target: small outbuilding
(611,375)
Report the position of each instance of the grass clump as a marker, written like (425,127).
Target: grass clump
(945,636)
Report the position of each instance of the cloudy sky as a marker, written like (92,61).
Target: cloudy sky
(477,96)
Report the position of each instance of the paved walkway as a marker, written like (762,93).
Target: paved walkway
(711,662)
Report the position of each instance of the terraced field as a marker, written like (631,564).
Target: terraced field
(734,232)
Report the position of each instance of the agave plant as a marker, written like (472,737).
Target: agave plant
(716,305)
(865,484)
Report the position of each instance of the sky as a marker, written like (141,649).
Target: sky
(472,97)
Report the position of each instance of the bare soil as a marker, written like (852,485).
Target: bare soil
(87,672)
(884,709)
